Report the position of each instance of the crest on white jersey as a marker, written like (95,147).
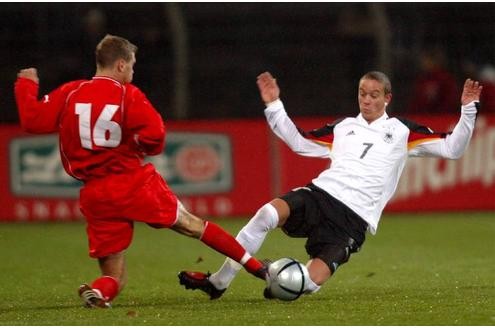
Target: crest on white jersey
(388,137)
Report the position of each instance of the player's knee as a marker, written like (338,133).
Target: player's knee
(320,278)
(319,272)
(266,218)
(336,255)
(282,210)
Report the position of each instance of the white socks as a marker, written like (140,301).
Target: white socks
(251,237)
(311,287)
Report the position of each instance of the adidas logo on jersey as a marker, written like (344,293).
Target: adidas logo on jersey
(351,133)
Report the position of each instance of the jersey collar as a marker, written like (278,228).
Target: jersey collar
(99,77)
(381,118)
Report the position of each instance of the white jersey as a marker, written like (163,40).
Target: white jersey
(368,159)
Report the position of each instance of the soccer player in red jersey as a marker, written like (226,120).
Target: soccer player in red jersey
(106,126)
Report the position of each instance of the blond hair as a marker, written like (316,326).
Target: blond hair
(112,48)
(380,77)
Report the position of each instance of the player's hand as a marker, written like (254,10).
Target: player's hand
(269,90)
(471,92)
(29,73)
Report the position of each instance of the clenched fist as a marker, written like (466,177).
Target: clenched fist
(29,73)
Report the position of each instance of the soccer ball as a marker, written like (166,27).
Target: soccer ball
(288,279)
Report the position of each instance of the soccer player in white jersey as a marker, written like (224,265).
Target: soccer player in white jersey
(346,200)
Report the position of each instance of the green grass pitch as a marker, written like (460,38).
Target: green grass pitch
(436,269)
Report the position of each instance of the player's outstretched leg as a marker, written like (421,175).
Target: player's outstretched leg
(215,237)
(251,237)
(248,241)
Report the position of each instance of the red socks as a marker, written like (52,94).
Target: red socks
(107,286)
(221,241)
(213,236)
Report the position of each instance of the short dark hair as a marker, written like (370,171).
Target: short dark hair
(380,77)
(112,48)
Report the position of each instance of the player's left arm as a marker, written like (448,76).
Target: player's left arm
(452,145)
(38,116)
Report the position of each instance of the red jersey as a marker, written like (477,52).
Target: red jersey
(104,126)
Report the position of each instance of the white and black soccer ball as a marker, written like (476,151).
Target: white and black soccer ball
(288,279)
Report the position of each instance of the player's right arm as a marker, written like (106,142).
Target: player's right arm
(283,126)
(145,123)
(38,116)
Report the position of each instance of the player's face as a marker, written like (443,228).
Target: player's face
(128,71)
(372,99)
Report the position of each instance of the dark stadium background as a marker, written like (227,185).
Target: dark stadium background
(317,51)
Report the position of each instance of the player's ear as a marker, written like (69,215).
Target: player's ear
(120,65)
(388,99)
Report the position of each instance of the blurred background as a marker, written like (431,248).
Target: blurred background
(198,63)
(200,60)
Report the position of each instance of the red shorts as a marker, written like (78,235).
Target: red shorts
(112,204)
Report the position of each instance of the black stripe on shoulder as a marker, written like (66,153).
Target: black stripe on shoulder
(415,127)
(421,129)
(324,130)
